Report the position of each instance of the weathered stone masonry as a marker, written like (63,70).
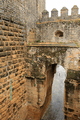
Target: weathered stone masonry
(15,16)
(13,89)
(72,106)
(31,45)
(41,75)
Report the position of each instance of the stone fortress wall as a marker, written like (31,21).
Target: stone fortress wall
(59,29)
(22,11)
(13,105)
(44,59)
(16,18)
(25,75)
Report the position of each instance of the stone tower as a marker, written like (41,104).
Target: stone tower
(22,10)
(40,7)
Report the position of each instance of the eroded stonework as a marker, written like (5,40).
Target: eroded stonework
(42,73)
(31,45)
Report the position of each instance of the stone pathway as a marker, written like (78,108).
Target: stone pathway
(55,110)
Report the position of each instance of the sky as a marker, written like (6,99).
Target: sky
(58,4)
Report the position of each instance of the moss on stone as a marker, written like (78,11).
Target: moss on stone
(73,74)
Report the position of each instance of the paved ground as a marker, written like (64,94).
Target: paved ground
(55,110)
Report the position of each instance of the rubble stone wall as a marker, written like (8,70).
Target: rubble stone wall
(61,31)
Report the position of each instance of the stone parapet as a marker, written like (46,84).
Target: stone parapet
(59,31)
(64,14)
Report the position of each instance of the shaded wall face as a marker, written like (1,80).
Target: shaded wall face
(51,70)
(72,90)
(72,95)
(22,11)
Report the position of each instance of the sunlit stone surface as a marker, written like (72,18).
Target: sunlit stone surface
(55,110)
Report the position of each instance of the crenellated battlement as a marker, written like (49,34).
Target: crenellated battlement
(64,14)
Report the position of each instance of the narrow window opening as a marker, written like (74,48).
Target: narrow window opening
(59,33)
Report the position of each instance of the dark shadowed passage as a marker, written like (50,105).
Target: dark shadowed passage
(56,107)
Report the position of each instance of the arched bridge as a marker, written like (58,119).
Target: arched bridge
(41,62)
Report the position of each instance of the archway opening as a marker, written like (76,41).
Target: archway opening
(56,107)
(59,33)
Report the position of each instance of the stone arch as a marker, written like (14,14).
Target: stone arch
(42,71)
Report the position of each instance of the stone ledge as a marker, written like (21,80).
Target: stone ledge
(59,20)
(71,45)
